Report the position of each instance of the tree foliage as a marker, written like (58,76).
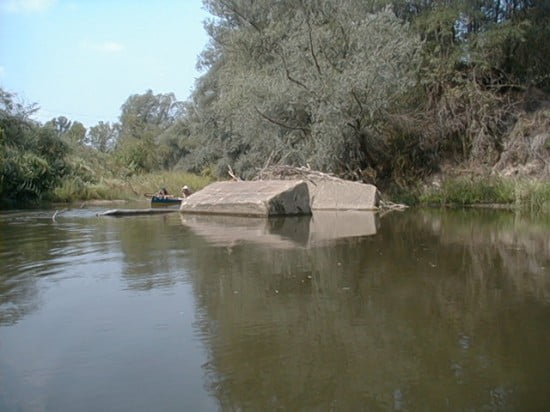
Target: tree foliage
(103,136)
(72,132)
(33,158)
(146,122)
(300,82)
(148,115)
(366,89)
(373,90)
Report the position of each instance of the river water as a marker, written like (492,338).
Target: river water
(424,310)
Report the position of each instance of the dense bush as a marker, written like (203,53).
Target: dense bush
(33,157)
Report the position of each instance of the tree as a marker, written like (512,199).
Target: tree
(147,115)
(380,88)
(60,125)
(103,136)
(72,132)
(33,157)
(148,132)
(76,133)
(300,82)
(15,118)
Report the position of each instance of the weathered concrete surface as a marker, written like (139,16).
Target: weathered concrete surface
(251,198)
(339,194)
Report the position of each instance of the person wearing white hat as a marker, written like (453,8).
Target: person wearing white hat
(185,191)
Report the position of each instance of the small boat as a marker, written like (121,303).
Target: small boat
(164,200)
(157,200)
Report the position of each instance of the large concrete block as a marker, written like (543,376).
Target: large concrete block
(251,198)
(338,194)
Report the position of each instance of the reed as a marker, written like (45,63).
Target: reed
(74,189)
(533,196)
(138,185)
(530,195)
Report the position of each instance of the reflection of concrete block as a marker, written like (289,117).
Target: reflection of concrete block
(338,194)
(284,232)
(229,231)
(251,198)
(327,226)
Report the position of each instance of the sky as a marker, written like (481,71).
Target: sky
(83,58)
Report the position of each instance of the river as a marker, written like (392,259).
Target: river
(422,310)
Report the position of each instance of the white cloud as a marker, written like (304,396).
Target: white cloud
(104,47)
(26,6)
(110,47)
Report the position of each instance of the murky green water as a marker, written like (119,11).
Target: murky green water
(422,310)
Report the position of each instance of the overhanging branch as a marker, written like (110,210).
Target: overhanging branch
(279,122)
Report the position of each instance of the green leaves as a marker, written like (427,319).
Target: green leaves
(300,83)
(148,115)
(103,136)
(25,176)
(33,157)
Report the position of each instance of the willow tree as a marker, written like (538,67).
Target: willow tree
(147,115)
(143,120)
(304,82)
(103,136)
(354,86)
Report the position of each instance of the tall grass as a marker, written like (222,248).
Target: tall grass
(138,185)
(74,189)
(532,195)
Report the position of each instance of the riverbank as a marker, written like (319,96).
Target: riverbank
(131,188)
(531,195)
(526,194)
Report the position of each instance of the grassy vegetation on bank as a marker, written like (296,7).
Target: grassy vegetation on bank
(530,195)
(74,189)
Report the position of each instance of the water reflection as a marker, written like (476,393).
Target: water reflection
(32,246)
(86,323)
(148,254)
(438,310)
(429,310)
(283,232)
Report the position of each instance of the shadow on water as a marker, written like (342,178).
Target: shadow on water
(431,310)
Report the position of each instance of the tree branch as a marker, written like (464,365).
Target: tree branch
(357,101)
(234,10)
(288,76)
(280,123)
(311,46)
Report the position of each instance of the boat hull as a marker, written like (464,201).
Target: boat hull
(165,201)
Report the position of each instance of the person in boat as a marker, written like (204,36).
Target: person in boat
(185,191)
(163,193)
